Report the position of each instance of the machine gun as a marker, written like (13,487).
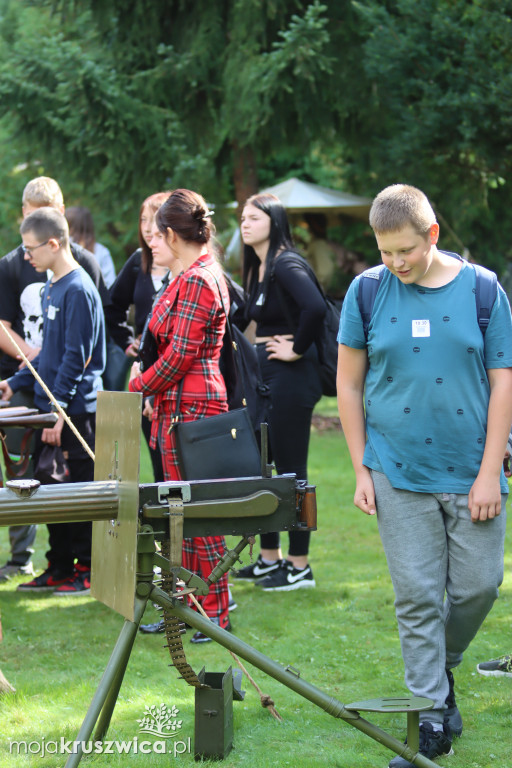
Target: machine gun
(130,519)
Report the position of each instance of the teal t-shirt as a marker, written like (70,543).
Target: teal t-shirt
(427,391)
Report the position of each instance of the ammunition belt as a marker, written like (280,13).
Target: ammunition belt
(174,629)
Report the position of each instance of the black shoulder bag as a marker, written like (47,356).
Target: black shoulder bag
(240,367)
(221,446)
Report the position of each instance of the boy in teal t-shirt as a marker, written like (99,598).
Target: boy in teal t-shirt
(426,407)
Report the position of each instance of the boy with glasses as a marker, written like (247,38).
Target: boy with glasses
(20,312)
(71,363)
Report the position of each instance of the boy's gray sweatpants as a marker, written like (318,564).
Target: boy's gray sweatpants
(445,571)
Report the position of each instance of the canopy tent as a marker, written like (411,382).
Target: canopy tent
(302,197)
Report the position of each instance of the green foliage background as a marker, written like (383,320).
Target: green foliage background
(119,99)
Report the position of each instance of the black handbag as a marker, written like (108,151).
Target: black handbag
(218,446)
(51,467)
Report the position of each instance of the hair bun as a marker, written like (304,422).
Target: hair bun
(201,214)
(187,214)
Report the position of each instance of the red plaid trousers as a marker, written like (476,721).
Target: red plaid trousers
(199,554)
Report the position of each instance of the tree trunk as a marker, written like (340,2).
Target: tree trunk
(245,174)
(245,179)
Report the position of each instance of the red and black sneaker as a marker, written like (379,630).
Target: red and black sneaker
(48,581)
(78,584)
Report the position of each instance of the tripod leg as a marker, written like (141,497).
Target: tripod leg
(113,692)
(108,688)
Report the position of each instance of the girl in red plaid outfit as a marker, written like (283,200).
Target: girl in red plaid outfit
(188,324)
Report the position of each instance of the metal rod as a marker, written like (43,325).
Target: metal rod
(413,730)
(113,693)
(288,678)
(61,503)
(118,660)
(227,561)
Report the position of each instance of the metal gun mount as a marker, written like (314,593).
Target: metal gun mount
(128,521)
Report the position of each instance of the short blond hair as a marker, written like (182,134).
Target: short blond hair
(43,191)
(399,205)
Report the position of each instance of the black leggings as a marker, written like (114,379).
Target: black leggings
(295,388)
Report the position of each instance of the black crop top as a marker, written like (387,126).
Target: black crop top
(305,303)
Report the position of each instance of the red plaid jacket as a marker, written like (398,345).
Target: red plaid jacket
(188,324)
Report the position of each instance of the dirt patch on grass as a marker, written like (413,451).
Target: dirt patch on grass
(324,423)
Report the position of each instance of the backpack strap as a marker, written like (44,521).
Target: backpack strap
(486,289)
(369,283)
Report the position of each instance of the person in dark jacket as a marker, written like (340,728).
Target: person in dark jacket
(21,288)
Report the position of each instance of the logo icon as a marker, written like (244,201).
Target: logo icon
(160,721)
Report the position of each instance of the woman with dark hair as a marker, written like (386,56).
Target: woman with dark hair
(137,283)
(188,323)
(288,310)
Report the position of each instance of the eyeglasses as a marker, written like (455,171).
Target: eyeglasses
(30,248)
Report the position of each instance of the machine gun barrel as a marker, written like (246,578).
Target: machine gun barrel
(60,503)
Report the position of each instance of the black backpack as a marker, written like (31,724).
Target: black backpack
(326,340)
(240,367)
(241,371)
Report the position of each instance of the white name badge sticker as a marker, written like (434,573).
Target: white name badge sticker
(420,329)
(51,312)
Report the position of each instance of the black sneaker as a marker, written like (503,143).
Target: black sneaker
(501,667)
(257,571)
(286,577)
(432,744)
(152,629)
(158,627)
(452,716)
(198,637)
(48,581)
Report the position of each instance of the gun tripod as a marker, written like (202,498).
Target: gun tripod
(130,517)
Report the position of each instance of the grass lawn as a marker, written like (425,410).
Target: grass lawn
(341,636)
